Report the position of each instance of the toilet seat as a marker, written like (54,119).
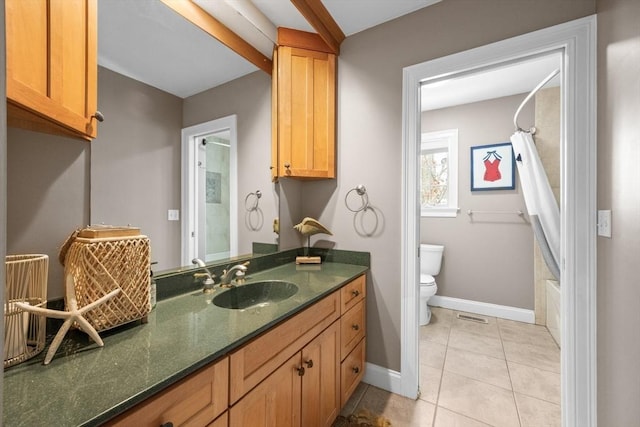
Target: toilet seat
(427,279)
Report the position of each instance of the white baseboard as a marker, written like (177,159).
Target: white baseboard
(487,309)
(386,379)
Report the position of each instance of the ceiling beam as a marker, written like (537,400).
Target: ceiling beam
(199,17)
(321,20)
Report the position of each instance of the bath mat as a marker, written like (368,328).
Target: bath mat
(362,418)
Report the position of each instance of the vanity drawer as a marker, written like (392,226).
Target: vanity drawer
(260,357)
(352,370)
(352,293)
(352,328)
(195,401)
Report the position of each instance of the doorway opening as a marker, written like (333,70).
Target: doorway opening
(209,188)
(576,43)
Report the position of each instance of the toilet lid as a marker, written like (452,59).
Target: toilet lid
(427,279)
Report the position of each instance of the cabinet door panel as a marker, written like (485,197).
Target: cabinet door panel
(321,381)
(352,293)
(306,113)
(195,401)
(27,38)
(275,402)
(352,325)
(352,371)
(52,65)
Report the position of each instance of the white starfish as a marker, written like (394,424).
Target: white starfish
(74,314)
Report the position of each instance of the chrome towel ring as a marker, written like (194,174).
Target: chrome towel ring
(362,192)
(252,200)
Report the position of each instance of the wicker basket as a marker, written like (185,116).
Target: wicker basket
(101,265)
(26,281)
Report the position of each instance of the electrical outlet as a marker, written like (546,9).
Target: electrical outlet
(173,215)
(604,223)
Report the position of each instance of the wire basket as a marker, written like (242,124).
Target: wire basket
(101,265)
(26,281)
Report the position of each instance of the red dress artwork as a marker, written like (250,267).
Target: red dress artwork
(492,168)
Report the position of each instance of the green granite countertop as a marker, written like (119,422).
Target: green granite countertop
(88,385)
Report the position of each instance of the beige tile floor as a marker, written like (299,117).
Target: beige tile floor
(502,373)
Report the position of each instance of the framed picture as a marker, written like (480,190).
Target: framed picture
(493,167)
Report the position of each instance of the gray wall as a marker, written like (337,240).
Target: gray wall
(135,162)
(248,97)
(488,257)
(370,131)
(47,195)
(618,190)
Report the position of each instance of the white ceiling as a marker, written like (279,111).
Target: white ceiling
(520,77)
(145,40)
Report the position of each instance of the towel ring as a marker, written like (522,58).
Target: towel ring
(362,192)
(249,207)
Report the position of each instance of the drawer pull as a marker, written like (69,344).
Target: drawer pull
(300,370)
(355,293)
(356,370)
(309,363)
(167,424)
(355,327)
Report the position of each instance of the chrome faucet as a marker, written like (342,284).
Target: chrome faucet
(227,275)
(209,282)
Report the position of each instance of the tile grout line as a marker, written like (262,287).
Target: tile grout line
(506,361)
(446,350)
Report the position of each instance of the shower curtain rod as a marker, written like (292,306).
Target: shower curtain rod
(533,92)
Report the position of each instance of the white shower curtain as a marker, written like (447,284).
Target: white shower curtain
(541,203)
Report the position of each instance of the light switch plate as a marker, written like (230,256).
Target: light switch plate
(604,223)
(173,215)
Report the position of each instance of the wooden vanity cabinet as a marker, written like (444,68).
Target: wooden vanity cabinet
(196,400)
(52,66)
(305,88)
(299,373)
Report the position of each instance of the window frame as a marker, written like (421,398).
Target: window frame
(448,139)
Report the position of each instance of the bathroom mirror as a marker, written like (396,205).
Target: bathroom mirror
(137,158)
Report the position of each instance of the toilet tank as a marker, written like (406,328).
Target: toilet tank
(430,259)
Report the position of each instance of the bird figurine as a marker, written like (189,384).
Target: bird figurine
(308,227)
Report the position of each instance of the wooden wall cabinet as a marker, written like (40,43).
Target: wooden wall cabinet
(304,110)
(52,66)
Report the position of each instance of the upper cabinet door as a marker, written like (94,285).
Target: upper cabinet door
(52,66)
(306,113)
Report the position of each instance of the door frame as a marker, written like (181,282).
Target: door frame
(577,42)
(190,201)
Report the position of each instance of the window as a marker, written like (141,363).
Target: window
(439,173)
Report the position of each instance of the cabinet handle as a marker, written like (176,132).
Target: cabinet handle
(300,371)
(356,370)
(355,293)
(99,116)
(287,165)
(167,424)
(355,327)
(309,363)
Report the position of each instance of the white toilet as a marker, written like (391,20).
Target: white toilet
(430,262)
